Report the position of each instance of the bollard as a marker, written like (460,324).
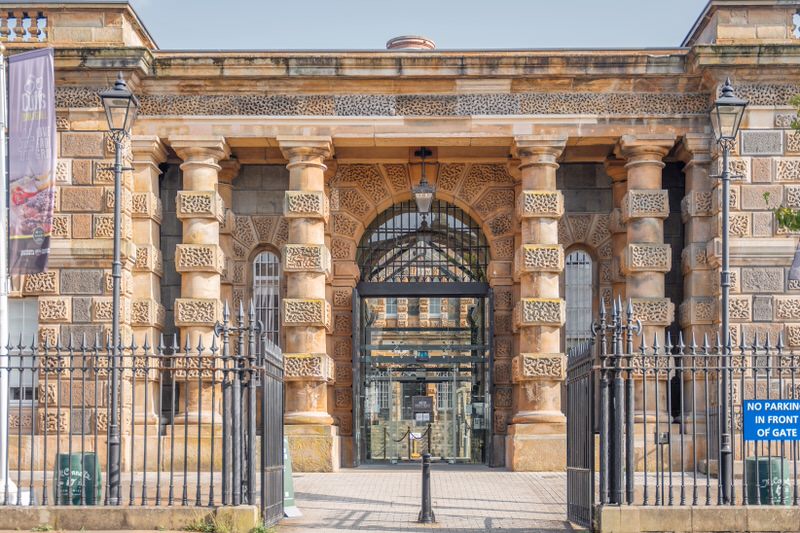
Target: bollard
(426,515)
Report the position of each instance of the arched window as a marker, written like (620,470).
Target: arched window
(267,294)
(579,292)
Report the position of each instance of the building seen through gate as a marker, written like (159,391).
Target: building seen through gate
(561,179)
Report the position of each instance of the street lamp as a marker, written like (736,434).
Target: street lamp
(121,107)
(423,193)
(726,117)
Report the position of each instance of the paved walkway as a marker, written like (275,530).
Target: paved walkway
(465,498)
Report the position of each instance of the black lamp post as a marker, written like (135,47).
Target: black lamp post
(121,107)
(726,117)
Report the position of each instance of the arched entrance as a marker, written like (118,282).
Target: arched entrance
(422,337)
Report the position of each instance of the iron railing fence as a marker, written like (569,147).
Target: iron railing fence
(200,423)
(644,415)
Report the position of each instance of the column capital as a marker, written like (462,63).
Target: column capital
(539,149)
(209,150)
(615,168)
(228,170)
(305,150)
(148,150)
(645,148)
(695,148)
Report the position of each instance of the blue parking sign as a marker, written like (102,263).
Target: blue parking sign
(771,420)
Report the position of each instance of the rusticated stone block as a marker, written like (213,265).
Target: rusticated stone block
(147,312)
(81,281)
(308,367)
(539,258)
(762,169)
(197,312)
(538,366)
(81,199)
(146,205)
(54,309)
(792,142)
(539,312)
(82,144)
(306,312)
(762,308)
(740,308)
(532,204)
(41,283)
(306,204)
(696,204)
(793,335)
(645,204)
(306,258)
(761,142)
(148,259)
(199,258)
(698,310)
(787,169)
(199,204)
(787,307)
(653,311)
(647,258)
(762,279)
(752,197)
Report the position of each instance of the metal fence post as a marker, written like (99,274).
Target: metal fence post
(426,515)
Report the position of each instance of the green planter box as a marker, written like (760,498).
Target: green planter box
(72,478)
(773,485)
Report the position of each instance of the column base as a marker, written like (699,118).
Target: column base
(536,448)
(314,448)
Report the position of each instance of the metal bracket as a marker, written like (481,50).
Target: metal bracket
(112,168)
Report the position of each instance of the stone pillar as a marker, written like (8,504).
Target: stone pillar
(536,440)
(199,257)
(616,170)
(647,258)
(306,311)
(147,312)
(229,169)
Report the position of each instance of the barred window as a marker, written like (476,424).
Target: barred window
(579,292)
(23,319)
(266,294)
(434,307)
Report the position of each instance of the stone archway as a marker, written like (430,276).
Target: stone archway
(591,231)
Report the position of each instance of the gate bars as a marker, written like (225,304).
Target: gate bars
(201,425)
(656,403)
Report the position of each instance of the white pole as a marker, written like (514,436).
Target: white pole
(5,481)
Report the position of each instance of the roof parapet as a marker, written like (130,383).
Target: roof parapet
(109,23)
(745,22)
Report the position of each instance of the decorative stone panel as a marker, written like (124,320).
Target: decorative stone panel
(787,169)
(55,309)
(698,310)
(199,204)
(306,258)
(531,367)
(147,312)
(306,312)
(40,283)
(308,367)
(539,258)
(787,307)
(539,312)
(653,311)
(645,204)
(148,259)
(740,308)
(647,258)
(696,204)
(761,142)
(739,167)
(792,142)
(197,311)
(146,205)
(199,258)
(533,204)
(793,335)
(762,279)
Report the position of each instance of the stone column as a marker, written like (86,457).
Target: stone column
(229,169)
(147,313)
(306,310)
(647,258)
(536,440)
(199,257)
(616,170)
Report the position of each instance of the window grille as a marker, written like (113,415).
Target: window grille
(579,292)
(23,318)
(444,396)
(267,294)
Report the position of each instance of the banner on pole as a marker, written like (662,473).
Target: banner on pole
(31,159)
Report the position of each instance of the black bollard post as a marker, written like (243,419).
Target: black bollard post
(426,515)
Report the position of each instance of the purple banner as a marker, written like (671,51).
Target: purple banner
(31,159)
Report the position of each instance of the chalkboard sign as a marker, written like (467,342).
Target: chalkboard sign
(771,420)
(422,404)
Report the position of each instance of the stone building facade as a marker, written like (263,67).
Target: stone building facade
(296,153)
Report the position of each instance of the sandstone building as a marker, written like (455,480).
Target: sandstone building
(562,179)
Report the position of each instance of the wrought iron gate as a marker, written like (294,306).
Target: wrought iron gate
(580,434)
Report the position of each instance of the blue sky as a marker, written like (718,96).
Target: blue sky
(453,24)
